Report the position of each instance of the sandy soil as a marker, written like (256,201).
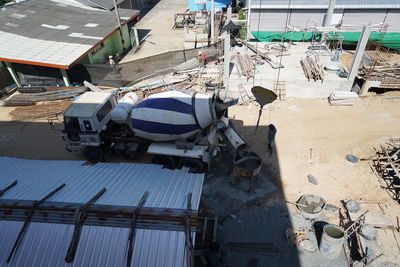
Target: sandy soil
(303,125)
(314,138)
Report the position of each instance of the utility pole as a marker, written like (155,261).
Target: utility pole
(358,55)
(329,13)
(117,14)
(248,20)
(212,13)
(119,25)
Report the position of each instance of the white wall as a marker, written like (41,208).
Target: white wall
(352,19)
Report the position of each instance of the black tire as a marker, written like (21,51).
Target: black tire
(168,162)
(194,165)
(94,154)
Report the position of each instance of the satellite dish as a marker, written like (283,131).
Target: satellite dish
(263,96)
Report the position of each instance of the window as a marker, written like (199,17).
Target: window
(102,113)
(71,124)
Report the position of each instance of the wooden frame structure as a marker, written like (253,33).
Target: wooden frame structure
(386,165)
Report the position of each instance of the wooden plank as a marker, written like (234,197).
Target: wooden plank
(81,214)
(28,220)
(8,187)
(132,231)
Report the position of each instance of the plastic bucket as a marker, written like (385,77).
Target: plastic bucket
(331,241)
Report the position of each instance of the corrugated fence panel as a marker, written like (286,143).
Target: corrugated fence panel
(267,20)
(393,20)
(358,18)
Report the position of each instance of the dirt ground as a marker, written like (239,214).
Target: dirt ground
(312,138)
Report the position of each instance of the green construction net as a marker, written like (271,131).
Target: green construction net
(390,40)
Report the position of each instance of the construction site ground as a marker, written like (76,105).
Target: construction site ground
(291,74)
(312,138)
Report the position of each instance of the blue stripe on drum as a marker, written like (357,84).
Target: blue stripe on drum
(163,128)
(165,104)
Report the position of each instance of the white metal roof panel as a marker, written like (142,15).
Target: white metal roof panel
(47,244)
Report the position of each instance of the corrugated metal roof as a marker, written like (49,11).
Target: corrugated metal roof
(54,33)
(47,244)
(323,4)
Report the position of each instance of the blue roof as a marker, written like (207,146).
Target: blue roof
(219,4)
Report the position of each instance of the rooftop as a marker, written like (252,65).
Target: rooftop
(54,33)
(46,244)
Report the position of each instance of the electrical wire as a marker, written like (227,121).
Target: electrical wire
(288,17)
(258,32)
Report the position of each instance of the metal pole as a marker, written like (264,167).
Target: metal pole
(362,43)
(13,74)
(65,77)
(329,13)
(229,13)
(117,14)
(212,13)
(248,20)
(227,59)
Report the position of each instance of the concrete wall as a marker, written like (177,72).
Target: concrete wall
(123,74)
(134,70)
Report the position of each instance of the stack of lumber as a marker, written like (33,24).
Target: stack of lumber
(342,98)
(271,60)
(379,73)
(27,99)
(312,69)
(243,65)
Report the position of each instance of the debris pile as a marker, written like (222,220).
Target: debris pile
(28,99)
(312,69)
(383,72)
(342,98)
(243,65)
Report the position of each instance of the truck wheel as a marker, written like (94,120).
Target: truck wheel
(168,162)
(94,154)
(194,165)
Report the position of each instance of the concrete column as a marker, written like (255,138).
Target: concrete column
(65,77)
(227,59)
(13,74)
(229,13)
(362,43)
(248,33)
(212,14)
(329,13)
(136,37)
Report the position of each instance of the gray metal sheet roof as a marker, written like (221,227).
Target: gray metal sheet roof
(323,4)
(54,32)
(47,244)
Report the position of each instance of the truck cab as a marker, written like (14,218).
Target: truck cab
(86,118)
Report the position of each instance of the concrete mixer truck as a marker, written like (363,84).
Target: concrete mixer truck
(180,128)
